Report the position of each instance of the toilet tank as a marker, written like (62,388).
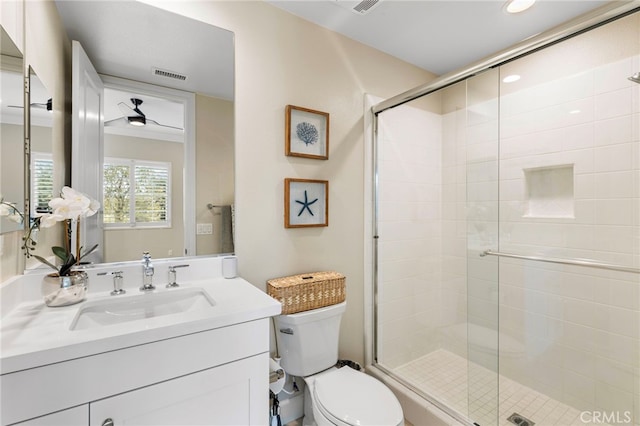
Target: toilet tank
(308,341)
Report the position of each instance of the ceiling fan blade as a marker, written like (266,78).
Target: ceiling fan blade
(33,105)
(163,125)
(126,110)
(115,120)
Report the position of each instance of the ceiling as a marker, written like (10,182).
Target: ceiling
(437,35)
(129,39)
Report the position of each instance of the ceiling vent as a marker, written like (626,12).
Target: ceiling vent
(168,74)
(359,7)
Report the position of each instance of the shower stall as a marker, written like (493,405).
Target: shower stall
(505,233)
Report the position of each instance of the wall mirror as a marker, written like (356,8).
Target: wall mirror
(40,171)
(12,130)
(167,174)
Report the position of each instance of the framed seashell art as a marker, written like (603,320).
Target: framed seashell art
(306,203)
(306,133)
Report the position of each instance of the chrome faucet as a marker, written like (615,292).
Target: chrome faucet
(118,279)
(147,273)
(172,275)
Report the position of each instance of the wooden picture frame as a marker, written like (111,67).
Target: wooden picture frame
(306,203)
(306,133)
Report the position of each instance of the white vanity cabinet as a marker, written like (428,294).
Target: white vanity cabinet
(77,416)
(213,377)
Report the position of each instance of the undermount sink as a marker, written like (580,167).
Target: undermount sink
(120,309)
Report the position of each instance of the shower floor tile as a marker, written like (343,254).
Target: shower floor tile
(445,375)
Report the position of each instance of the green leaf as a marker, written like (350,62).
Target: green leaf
(68,264)
(64,270)
(60,252)
(91,250)
(45,261)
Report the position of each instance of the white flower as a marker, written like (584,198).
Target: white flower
(94,206)
(17,218)
(75,198)
(73,204)
(47,220)
(6,209)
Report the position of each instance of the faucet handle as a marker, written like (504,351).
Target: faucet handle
(146,257)
(118,278)
(173,274)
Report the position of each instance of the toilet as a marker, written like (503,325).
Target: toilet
(308,346)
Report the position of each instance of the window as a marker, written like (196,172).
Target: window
(41,182)
(136,193)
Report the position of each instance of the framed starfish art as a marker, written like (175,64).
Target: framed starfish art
(306,133)
(306,203)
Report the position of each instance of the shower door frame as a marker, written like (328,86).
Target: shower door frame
(584,23)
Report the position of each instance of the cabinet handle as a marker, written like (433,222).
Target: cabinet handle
(108,422)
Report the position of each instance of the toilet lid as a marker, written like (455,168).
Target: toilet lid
(355,398)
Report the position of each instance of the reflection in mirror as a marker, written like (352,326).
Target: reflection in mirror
(41,164)
(11,135)
(143,177)
(167,51)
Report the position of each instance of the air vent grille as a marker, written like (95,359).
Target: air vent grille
(365,5)
(169,74)
(358,7)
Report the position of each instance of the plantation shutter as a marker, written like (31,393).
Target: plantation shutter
(152,193)
(42,182)
(137,193)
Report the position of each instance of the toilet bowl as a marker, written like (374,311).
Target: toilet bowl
(308,345)
(345,397)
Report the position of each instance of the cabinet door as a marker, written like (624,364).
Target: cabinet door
(77,416)
(232,394)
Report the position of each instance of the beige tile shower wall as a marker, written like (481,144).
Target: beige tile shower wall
(410,234)
(578,327)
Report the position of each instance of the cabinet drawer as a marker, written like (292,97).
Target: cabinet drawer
(232,394)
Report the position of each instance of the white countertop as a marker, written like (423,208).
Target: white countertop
(33,335)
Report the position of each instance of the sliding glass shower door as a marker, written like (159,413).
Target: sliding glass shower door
(437,312)
(508,284)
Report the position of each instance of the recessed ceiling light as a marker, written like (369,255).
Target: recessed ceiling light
(511,78)
(517,6)
(574,111)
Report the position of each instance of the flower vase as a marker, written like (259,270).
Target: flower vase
(65,290)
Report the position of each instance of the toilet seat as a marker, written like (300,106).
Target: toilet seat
(348,397)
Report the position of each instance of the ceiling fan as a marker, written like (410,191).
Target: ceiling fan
(40,105)
(135,117)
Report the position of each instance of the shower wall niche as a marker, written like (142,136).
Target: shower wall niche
(549,192)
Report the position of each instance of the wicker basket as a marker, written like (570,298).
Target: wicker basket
(304,292)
